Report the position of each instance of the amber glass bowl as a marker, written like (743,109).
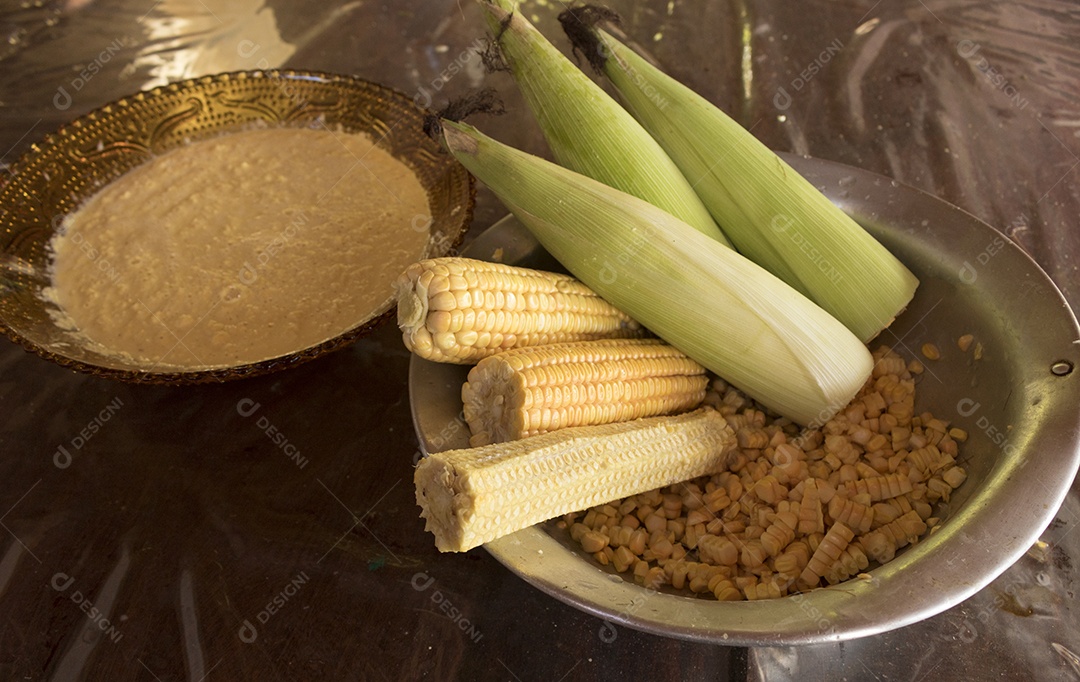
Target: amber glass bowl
(57,174)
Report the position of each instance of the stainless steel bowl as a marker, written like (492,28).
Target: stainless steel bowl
(64,169)
(1020,404)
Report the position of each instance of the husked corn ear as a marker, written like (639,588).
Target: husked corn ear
(474,495)
(459,310)
(532,390)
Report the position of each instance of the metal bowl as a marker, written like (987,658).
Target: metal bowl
(57,174)
(1019,403)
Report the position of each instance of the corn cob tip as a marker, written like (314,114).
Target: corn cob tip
(411,308)
(440,507)
(580,24)
(459,137)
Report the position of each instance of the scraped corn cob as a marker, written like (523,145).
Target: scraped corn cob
(475,495)
(460,310)
(532,390)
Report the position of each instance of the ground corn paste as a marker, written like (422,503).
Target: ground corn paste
(239,249)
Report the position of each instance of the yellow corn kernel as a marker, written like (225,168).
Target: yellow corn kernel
(752,555)
(460,310)
(794,559)
(475,495)
(937,489)
(780,533)
(679,570)
(752,438)
(725,590)
(850,562)
(532,390)
(882,543)
(857,516)
(655,578)
(764,590)
(827,552)
(878,546)
(716,550)
(811,515)
(623,559)
(931,352)
(954,476)
(880,487)
(769,490)
(716,501)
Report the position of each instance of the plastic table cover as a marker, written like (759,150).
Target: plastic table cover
(175,539)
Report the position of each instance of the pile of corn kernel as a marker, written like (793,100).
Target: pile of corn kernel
(795,510)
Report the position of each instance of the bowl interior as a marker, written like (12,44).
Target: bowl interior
(1018,404)
(56,175)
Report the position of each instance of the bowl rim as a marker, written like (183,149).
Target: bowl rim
(231,372)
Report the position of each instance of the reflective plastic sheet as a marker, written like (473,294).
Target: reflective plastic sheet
(267,528)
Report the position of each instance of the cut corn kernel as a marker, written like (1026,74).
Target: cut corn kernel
(528,391)
(472,496)
(826,554)
(741,545)
(461,310)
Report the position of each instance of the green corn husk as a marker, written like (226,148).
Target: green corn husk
(587,130)
(772,214)
(715,305)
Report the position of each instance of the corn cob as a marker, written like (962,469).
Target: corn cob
(716,306)
(532,390)
(588,131)
(460,310)
(476,495)
(771,214)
